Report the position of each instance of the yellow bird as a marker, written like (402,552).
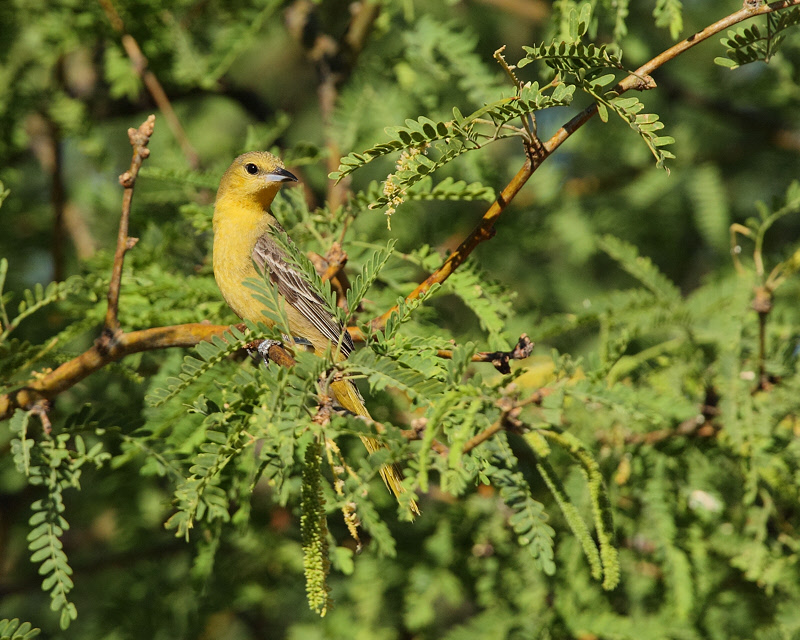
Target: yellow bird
(243,242)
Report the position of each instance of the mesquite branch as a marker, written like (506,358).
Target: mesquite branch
(154,88)
(639,79)
(500,359)
(115,344)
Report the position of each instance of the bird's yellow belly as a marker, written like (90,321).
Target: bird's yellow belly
(230,281)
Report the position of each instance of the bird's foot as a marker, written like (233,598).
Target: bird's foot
(265,346)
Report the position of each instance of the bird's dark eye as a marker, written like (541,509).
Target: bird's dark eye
(251,168)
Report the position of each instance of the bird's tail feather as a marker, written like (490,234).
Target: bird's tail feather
(348,396)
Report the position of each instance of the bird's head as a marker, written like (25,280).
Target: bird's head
(254,177)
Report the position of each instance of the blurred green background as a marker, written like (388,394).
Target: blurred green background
(253,75)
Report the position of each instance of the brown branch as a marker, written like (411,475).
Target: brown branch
(510,411)
(45,142)
(331,268)
(139,63)
(639,79)
(108,348)
(642,74)
(58,199)
(483,231)
(139,139)
(500,359)
(112,347)
(484,435)
(334,61)
(693,427)
(701,425)
(114,344)
(416,432)
(278,353)
(762,304)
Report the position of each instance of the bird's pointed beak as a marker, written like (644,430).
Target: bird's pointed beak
(281,175)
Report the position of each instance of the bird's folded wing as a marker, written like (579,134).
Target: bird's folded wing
(299,293)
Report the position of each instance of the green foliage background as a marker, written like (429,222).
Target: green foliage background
(649,397)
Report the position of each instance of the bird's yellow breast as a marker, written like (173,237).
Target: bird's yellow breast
(238,224)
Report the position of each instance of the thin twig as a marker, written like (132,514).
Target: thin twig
(334,60)
(139,139)
(642,74)
(58,199)
(701,425)
(697,427)
(508,419)
(416,433)
(762,304)
(500,359)
(139,63)
(483,231)
(528,120)
(510,410)
(484,435)
(40,409)
(106,349)
(639,79)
